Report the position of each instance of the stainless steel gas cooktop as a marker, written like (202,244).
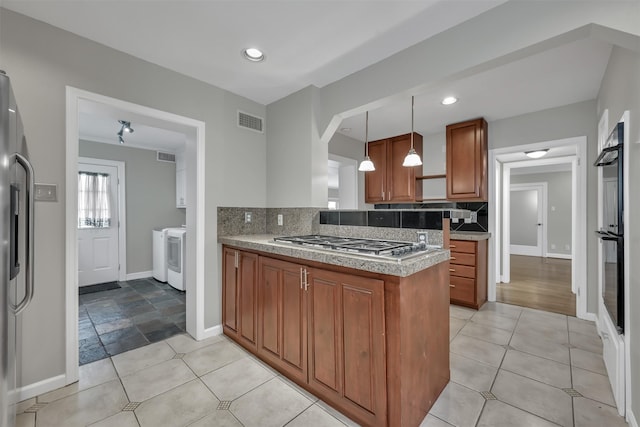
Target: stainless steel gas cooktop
(371,247)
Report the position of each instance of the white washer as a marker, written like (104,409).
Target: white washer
(176,251)
(160,254)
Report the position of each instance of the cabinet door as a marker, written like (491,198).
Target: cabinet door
(375,181)
(401,181)
(181,188)
(346,343)
(229,292)
(467,160)
(247,298)
(282,316)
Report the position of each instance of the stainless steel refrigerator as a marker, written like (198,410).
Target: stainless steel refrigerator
(16,267)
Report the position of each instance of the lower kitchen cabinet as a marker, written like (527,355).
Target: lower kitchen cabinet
(468,273)
(239,298)
(346,342)
(282,317)
(375,347)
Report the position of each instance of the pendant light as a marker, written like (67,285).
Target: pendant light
(412,158)
(367,164)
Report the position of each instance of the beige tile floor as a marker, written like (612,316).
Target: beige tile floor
(510,366)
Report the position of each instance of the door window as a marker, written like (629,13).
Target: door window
(94,204)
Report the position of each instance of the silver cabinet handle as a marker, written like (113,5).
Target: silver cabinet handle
(306,279)
(28,296)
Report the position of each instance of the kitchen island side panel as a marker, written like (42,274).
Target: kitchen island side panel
(417,336)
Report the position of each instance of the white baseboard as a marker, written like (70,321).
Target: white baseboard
(631,418)
(589,316)
(524,250)
(44,386)
(561,256)
(212,332)
(139,275)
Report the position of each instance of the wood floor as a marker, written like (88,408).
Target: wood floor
(542,283)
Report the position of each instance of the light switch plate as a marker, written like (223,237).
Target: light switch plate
(280,219)
(46,192)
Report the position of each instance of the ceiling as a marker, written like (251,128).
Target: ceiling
(99,122)
(306,42)
(317,42)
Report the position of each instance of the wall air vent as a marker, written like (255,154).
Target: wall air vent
(166,157)
(250,122)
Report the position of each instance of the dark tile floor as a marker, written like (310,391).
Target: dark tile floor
(140,312)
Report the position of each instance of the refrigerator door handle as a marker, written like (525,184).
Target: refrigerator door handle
(28,296)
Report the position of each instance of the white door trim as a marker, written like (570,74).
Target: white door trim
(578,205)
(122,210)
(542,208)
(195,223)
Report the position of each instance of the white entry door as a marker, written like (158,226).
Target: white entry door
(98,223)
(527,213)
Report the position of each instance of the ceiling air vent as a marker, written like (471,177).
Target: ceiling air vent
(250,122)
(166,157)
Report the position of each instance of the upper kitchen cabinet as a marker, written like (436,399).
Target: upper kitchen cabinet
(181,181)
(467,160)
(391,182)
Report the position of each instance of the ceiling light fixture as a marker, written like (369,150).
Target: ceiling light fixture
(449,100)
(126,127)
(412,158)
(536,154)
(367,164)
(254,55)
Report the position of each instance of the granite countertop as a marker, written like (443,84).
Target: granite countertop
(265,243)
(469,235)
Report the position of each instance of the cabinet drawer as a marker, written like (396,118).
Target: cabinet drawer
(462,271)
(462,258)
(462,289)
(463,246)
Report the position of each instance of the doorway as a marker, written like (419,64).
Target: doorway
(102,253)
(77,99)
(501,270)
(342,182)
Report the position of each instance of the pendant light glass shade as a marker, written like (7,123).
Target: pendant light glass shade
(366,165)
(412,158)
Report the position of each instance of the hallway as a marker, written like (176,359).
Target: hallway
(541,283)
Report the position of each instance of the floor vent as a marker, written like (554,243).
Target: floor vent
(250,122)
(166,157)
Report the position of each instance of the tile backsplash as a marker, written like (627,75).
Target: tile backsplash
(481,209)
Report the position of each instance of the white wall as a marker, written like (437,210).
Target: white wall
(558,208)
(620,91)
(41,61)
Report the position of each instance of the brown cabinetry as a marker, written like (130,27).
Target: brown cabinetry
(375,347)
(282,316)
(346,342)
(239,303)
(468,273)
(467,161)
(391,182)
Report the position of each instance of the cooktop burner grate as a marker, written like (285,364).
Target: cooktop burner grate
(357,245)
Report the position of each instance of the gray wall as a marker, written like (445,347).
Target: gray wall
(351,148)
(558,197)
(620,91)
(41,61)
(559,123)
(150,197)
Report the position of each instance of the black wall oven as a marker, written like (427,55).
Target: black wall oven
(611,160)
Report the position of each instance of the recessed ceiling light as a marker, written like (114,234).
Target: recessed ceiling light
(345,129)
(536,154)
(253,54)
(449,100)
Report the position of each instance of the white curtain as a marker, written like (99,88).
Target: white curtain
(94,206)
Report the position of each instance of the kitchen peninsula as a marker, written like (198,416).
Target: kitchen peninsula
(369,336)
